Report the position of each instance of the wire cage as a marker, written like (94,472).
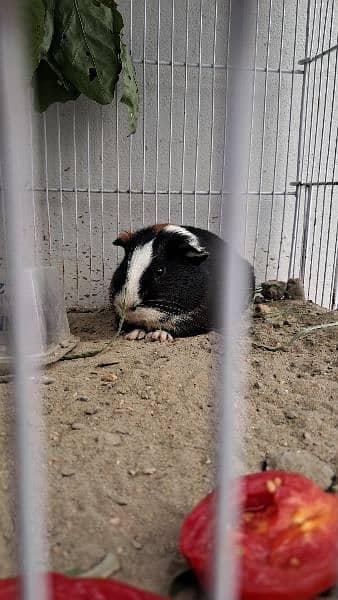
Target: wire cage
(87,179)
(90,179)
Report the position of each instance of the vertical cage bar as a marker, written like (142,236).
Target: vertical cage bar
(306,230)
(334,283)
(58,124)
(144,112)
(117,173)
(76,205)
(289,136)
(301,142)
(276,148)
(102,204)
(157,106)
(253,94)
(47,185)
(130,137)
(15,159)
(335,158)
(198,110)
(89,201)
(212,112)
(310,178)
(187,9)
(262,150)
(227,51)
(320,157)
(30,97)
(226,582)
(171,104)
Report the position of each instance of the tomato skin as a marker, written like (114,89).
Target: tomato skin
(71,588)
(287,538)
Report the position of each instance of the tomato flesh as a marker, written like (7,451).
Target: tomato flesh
(287,538)
(72,588)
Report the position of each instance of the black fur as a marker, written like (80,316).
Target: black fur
(189,289)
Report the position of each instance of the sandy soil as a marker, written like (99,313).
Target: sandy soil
(128,458)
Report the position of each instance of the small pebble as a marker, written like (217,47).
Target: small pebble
(46,380)
(67,471)
(91,410)
(149,471)
(290,414)
(307,436)
(137,545)
(81,398)
(115,521)
(76,426)
(121,501)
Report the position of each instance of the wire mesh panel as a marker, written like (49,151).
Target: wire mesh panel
(316,217)
(91,179)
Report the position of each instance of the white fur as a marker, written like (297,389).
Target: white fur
(145,317)
(192,239)
(140,260)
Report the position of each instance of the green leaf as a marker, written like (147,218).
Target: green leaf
(130,95)
(38,17)
(50,87)
(86,47)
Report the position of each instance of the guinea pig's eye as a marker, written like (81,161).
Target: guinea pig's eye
(159,271)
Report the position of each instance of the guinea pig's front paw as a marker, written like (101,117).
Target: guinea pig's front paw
(135,334)
(159,336)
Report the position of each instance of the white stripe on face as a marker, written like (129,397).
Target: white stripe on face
(190,237)
(139,261)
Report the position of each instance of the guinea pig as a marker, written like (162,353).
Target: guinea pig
(169,282)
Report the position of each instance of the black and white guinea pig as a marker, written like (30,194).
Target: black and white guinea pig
(169,282)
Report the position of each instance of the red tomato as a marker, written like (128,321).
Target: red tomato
(71,588)
(287,538)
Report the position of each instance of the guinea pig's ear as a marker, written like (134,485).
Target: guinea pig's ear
(196,255)
(123,239)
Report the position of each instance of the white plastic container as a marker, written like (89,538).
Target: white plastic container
(54,339)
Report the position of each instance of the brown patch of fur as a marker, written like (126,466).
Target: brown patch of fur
(123,238)
(159,226)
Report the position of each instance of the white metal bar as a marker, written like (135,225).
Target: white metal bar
(157,107)
(130,137)
(144,111)
(320,160)
(15,161)
(47,187)
(165,191)
(198,109)
(76,204)
(167,63)
(253,95)
(276,148)
(102,205)
(30,98)
(187,9)
(227,51)
(117,173)
(315,133)
(226,582)
(58,124)
(289,137)
(212,114)
(263,132)
(301,141)
(171,105)
(335,158)
(334,283)
(89,200)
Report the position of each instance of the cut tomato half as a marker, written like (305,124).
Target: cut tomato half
(72,588)
(287,537)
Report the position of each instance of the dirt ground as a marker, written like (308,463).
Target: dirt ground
(128,458)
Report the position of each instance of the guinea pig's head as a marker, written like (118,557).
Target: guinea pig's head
(160,275)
